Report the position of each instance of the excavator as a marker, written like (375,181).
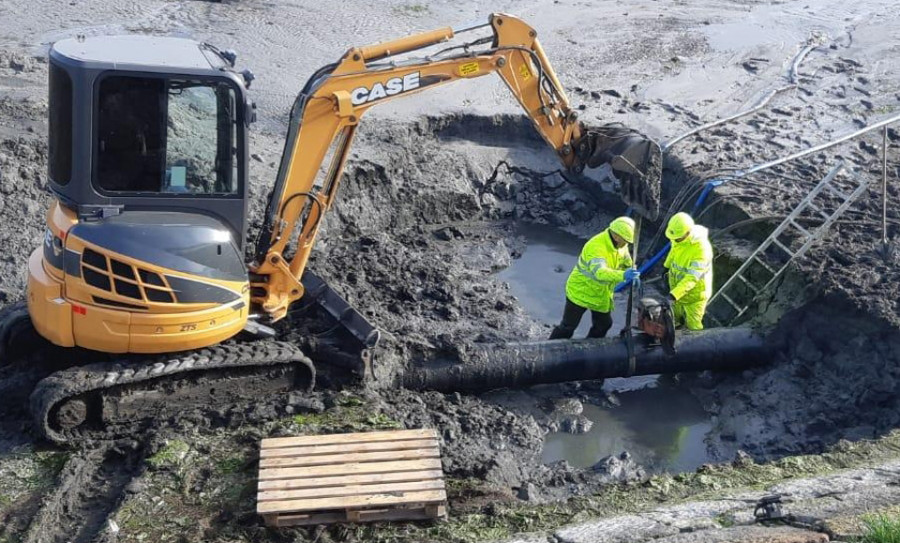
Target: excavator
(142,271)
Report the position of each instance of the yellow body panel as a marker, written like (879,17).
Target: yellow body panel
(152,333)
(49,311)
(101,329)
(69,323)
(117,331)
(69,312)
(59,221)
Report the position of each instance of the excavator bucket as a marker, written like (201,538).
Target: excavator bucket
(636,162)
(345,337)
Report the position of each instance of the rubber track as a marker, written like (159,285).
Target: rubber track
(77,381)
(9,317)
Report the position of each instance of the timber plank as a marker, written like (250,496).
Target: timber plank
(349,458)
(336,491)
(311,450)
(330,439)
(350,480)
(268,474)
(369,500)
(363,515)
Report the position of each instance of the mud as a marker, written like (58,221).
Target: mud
(91,484)
(428,214)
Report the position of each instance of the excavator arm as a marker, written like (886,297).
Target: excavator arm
(329,108)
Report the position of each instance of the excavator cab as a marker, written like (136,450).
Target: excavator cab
(147,157)
(139,122)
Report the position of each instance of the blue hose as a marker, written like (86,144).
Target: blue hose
(648,265)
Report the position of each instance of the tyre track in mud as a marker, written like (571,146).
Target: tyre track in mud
(89,489)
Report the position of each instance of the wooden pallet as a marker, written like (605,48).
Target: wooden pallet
(362,477)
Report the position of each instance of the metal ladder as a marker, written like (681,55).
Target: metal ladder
(808,236)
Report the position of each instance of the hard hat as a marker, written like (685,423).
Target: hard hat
(624,227)
(679,226)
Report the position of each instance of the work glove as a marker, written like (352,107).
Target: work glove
(671,300)
(633,276)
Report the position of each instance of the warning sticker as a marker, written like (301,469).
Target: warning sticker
(524,72)
(469,68)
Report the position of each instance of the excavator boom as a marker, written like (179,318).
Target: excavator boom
(330,107)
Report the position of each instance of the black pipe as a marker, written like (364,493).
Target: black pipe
(515,365)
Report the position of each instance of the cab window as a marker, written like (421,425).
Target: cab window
(166,136)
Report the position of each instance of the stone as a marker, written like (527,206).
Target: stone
(568,406)
(448,233)
(742,459)
(18,64)
(582,211)
(619,468)
(554,181)
(503,190)
(624,529)
(302,403)
(748,534)
(576,425)
(528,493)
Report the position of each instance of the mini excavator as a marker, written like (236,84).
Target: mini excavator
(143,258)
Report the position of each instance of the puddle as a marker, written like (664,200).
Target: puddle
(538,278)
(662,427)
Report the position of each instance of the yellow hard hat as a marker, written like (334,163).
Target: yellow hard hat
(624,226)
(679,226)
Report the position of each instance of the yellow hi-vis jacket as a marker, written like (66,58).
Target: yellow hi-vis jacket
(690,267)
(600,268)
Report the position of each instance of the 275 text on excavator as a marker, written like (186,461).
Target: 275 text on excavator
(142,273)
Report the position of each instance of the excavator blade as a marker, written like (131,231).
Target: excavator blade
(635,159)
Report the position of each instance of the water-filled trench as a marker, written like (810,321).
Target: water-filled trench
(663,427)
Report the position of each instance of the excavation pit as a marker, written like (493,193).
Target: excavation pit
(661,427)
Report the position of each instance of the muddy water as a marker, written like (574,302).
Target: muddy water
(538,277)
(662,427)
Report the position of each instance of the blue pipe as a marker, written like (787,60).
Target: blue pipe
(648,265)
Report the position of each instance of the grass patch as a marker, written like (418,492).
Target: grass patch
(381,421)
(351,414)
(170,455)
(350,401)
(231,464)
(724,520)
(47,466)
(881,528)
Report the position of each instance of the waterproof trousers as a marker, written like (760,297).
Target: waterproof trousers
(600,322)
(691,315)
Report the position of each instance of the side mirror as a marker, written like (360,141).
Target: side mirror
(250,114)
